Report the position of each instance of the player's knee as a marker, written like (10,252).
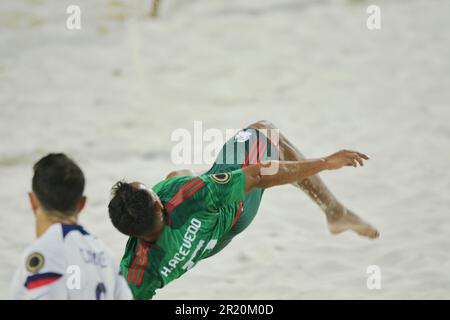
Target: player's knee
(172,174)
(263,124)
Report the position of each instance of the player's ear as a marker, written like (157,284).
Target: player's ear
(34,202)
(158,205)
(82,203)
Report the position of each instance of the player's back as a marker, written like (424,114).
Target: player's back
(66,262)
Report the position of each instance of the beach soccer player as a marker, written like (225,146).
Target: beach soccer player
(65,261)
(187,218)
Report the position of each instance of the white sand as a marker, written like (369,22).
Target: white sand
(111,94)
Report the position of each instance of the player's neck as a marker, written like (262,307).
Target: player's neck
(45,220)
(154,236)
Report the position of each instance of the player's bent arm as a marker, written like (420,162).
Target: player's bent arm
(285,172)
(273,173)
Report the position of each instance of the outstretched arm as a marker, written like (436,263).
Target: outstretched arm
(293,171)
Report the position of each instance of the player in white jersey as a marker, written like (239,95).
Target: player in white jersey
(65,261)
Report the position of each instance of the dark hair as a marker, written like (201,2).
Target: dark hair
(131,210)
(58,183)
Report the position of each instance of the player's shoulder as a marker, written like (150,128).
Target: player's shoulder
(130,250)
(224,179)
(135,252)
(54,238)
(49,242)
(43,261)
(50,247)
(171,186)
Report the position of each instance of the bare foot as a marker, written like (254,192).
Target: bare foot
(347,220)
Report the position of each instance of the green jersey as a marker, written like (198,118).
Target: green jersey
(199,212)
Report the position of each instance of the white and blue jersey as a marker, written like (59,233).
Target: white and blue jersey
(66,262)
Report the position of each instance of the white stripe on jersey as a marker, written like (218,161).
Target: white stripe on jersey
(66,262)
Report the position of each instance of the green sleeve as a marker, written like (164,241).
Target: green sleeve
(205,192)
(136,269)
(224,188)
(144,292)
(145,288)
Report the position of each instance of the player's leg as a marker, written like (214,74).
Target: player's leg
(246,147)
(339,217)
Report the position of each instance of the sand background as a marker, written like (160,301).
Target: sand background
(111,94)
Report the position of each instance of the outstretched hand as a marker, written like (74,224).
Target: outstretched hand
(345,158)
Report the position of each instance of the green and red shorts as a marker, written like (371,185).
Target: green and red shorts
(248,146)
